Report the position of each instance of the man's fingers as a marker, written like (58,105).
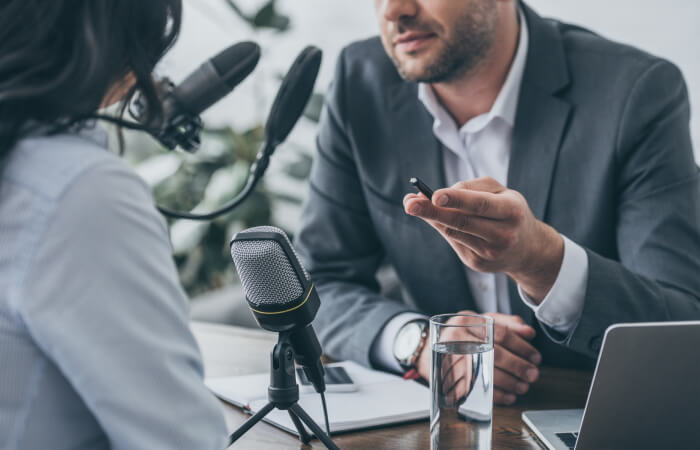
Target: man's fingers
(468,203)
(460,238)
(486,184)
(508,383)
(477,203)
(456,379)
(472,249)
(515,365)
(523,330)
(500,317)
(454,386)
(515,323)
(504,336)
(503,398)
(465,245)
(416,197)
(490,230)
(451,369)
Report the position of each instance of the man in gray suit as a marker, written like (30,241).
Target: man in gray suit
(574,200)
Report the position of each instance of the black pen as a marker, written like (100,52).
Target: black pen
(422,187)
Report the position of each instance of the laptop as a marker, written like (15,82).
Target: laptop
(645,393)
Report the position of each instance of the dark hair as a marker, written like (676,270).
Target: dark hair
(59,59)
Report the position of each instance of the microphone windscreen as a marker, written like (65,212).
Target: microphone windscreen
(236,62)
(294,93)
(265,269)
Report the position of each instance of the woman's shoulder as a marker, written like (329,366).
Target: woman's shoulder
(49,166)
(86,212)
(69,191)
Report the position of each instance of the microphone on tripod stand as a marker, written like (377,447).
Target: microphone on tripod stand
(280,294)
(283,299)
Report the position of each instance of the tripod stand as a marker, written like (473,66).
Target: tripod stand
(283,394)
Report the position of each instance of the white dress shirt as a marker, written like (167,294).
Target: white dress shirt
(481,147)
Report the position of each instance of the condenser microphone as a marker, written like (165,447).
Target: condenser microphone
(212,81)
(280,293)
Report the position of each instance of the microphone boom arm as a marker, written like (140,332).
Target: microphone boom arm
(257,170)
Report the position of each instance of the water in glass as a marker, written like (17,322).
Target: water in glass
(462,391)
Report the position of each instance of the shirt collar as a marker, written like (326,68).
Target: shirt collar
(506,103)
(89,129)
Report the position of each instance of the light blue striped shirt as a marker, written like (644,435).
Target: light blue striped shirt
(95,348)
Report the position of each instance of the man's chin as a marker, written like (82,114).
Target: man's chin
(417,68)
(416,73)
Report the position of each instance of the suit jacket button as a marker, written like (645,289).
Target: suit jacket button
(596,343)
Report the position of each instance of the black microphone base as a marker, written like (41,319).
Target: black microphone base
(283,394)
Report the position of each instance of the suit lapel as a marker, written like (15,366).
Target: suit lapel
(421,156)
(539,127)
(540,124)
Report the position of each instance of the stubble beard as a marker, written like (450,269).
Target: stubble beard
(462,53)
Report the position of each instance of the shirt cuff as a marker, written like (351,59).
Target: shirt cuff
(563,305)
(382,352)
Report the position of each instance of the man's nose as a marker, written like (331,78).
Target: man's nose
(393,10)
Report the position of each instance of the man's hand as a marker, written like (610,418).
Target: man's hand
(516,361)
(492,229)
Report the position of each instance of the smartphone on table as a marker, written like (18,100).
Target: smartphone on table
(337,380)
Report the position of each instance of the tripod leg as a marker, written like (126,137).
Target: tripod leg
(303,435)
(320,434)
(249,423)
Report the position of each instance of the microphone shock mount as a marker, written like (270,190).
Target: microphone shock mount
(182,130)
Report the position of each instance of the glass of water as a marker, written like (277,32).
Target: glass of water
(461,381)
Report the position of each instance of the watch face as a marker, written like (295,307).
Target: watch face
(407,341)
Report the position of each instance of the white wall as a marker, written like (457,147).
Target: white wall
(668,28)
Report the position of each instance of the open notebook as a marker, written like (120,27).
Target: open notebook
(380,399)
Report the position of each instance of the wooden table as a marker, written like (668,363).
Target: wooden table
(239,351)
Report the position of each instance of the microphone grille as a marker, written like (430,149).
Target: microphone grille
(265,269)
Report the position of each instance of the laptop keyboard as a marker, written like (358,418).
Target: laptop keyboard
(569,439)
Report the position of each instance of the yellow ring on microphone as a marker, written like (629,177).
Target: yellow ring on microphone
(288,310)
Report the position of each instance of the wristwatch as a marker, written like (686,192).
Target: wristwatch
(409,342)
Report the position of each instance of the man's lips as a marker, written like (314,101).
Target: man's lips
(410,42)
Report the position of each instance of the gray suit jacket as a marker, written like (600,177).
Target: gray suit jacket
(601,151)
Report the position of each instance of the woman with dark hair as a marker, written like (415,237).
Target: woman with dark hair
(95,348)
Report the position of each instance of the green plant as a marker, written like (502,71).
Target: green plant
(266,17)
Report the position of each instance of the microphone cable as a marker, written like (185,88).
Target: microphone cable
(252,181)
(325,413)
(257,171)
